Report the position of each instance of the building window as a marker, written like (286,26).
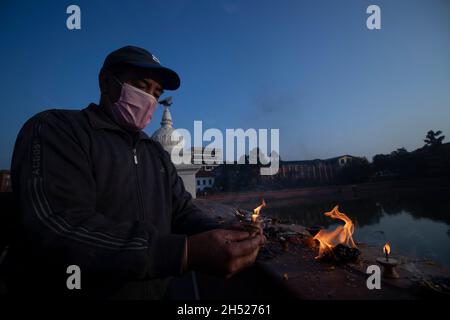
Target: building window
(209,182)
(198,182)
(204,182)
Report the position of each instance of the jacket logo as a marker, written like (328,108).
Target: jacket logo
(36,158)
(155,59)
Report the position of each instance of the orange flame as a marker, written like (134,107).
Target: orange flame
(387,249)
(341,235)
(257,210)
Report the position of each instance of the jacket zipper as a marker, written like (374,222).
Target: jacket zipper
(141,201)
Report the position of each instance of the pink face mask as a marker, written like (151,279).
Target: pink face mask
(135,108)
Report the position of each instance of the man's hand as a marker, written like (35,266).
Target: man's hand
(253,229)
(223,252)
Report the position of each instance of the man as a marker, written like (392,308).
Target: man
(94,191)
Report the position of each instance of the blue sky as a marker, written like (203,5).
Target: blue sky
(310,68)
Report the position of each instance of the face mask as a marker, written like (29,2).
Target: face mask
(135,108)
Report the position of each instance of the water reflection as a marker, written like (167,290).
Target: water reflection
(415,225)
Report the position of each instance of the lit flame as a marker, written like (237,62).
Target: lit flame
(387,249)
(257,210)
(341,235)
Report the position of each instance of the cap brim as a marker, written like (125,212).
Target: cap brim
(170,79)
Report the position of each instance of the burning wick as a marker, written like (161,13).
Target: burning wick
(256,211)
(389,264)
(387,250)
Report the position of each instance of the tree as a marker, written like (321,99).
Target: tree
(399,152)
(355,171)
(434,138)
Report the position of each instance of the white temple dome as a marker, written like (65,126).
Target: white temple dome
(164,134)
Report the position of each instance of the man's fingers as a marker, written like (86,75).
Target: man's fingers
(249,260)
(246,261)
(245,247)
(253,230)
(242,263)
(237,227)
(260,229)
(234,235)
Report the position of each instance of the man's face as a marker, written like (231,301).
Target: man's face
(139,78)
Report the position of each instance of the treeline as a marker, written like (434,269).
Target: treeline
(238,177)
(432,160)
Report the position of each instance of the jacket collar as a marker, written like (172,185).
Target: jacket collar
(100,120)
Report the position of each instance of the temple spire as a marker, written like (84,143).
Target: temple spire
(166,118)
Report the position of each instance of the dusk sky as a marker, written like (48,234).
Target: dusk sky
(310,68)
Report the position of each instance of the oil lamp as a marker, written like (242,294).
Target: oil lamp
(388,263)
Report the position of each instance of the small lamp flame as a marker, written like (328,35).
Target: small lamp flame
(256,211)
(387,250)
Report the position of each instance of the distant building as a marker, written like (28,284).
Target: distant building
(5,181)
(317,170)
(206,156)
(205,177)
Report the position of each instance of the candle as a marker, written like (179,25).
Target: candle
(389,264)
(387,250)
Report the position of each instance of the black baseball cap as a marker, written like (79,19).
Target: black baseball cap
(141,58)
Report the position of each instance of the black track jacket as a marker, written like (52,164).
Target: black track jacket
(90,194)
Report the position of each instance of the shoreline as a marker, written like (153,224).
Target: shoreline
(338,193)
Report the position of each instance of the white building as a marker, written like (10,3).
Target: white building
(163,135)
(209,159)
(204,178)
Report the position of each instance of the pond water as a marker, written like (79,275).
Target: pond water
(416,226)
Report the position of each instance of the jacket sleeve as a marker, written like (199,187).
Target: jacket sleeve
(187,217)
(55,188)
